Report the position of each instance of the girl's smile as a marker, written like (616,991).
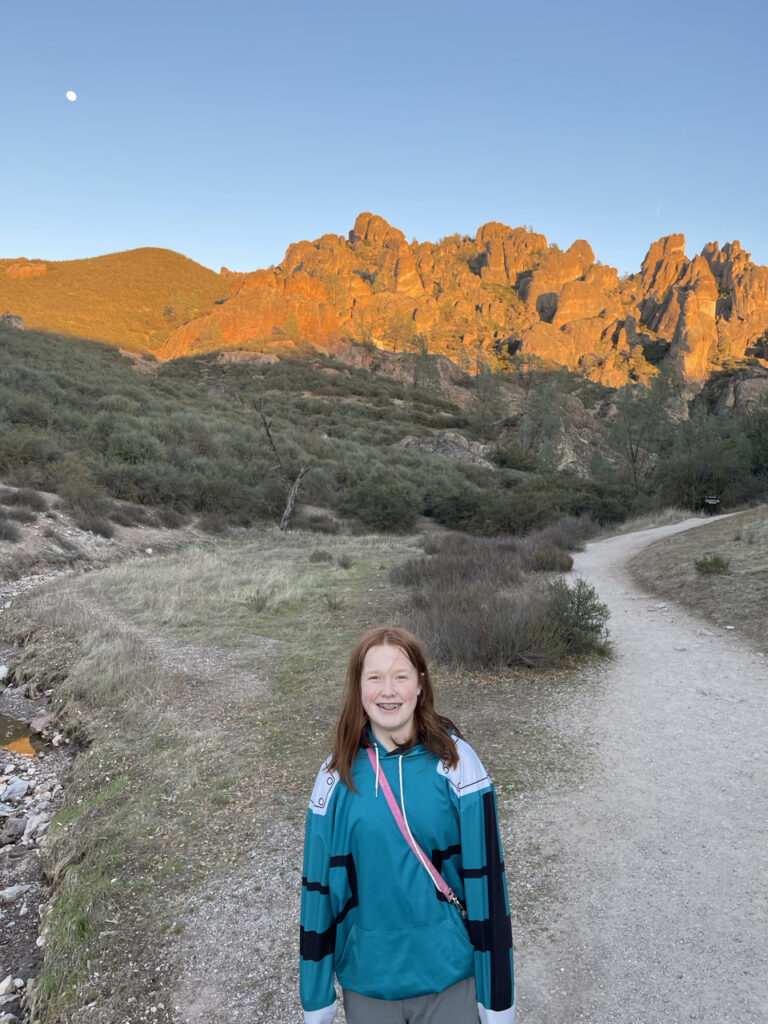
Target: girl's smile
(390,689)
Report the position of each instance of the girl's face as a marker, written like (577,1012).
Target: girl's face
(390,686)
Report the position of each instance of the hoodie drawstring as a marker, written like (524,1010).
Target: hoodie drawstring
(377,770)
(414,845)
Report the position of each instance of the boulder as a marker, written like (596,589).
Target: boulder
(13,830)
(14,791)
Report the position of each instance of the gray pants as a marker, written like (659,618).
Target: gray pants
(454,1005)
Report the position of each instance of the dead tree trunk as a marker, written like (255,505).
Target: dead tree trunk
(293,488)
(293,491)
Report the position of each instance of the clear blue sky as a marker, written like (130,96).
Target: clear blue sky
(227,130)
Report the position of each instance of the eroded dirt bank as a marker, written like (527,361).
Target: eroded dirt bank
(657,854)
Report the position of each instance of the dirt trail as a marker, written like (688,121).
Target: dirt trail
(658,852)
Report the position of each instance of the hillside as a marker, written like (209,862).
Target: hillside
(504,297)
(130,299)
(77,419)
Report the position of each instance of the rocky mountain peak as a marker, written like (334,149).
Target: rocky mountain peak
(504,293)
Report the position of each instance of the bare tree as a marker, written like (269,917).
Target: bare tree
(292,484)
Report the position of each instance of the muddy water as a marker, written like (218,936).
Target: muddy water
(17,737)
(15,714)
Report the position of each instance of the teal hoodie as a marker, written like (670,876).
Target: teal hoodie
(371,914)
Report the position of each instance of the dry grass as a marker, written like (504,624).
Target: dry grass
(131,299)
(649,521)
(738,597)
(166,670)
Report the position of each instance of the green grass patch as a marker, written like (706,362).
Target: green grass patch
(711,565)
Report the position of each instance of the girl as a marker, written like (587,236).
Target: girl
(402,801)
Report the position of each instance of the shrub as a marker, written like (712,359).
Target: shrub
(171,519)
(570,532)
(472,606)
(474,627)
(546,558)
(318,555)
(383,504)
(512,456)
(213,522)
(459,559)
(345,561)
(80,493)
(94,523)
(712,565)
(9,531)
(133,515)
(578,618)
(22,515)
(23,496)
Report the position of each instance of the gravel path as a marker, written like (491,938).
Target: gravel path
(658,851)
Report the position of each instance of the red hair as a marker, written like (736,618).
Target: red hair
(433,731)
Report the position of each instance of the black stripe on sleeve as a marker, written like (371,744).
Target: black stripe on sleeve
(347,861)
(477,872)
(494,934)
(498,919)
(316,945)
(315,886)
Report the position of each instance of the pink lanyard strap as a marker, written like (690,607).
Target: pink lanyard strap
(397,814)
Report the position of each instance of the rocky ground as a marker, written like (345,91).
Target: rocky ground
(31,788)
(30,794)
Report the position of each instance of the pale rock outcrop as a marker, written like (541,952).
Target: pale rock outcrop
(744,394)
(24,270)
(603,277)
(450,445)
(662,264)
(579,301)
(507,251)
(556,268)
(374,229)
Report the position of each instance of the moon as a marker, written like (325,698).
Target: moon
(71,96)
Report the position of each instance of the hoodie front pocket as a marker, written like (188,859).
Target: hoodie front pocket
(407,962)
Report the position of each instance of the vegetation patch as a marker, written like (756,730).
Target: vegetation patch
(9,531)
(476,605)
(711,565)
(737,597)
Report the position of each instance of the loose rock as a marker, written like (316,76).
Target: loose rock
(12,893)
